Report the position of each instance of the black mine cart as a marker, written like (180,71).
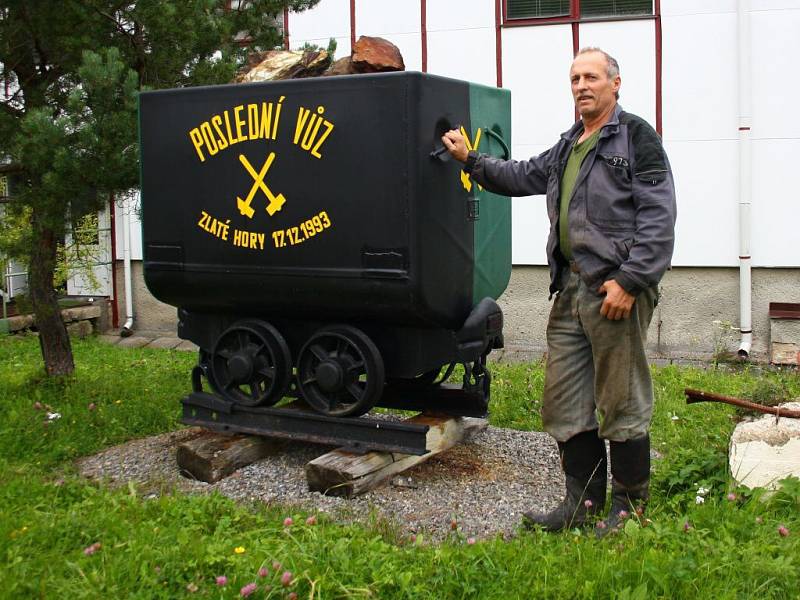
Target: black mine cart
(319,244)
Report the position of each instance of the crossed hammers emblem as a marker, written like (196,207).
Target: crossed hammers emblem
(275,202)
(465,179)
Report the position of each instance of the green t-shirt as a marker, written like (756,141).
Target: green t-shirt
(576,156)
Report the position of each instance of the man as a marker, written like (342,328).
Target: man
(611,205)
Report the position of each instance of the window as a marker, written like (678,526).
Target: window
(614,8)
(541,9)
(526,9)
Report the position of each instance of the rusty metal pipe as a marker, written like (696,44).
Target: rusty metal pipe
(693,396)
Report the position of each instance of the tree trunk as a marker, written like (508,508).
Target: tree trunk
(53,338)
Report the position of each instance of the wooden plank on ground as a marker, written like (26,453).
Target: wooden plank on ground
(213,456)
(343,473)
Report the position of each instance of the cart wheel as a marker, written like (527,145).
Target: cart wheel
(251,364)
(340,371)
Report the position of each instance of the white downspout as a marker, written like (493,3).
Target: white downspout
(126,330)
(745,179)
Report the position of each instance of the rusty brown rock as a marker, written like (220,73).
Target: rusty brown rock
(343,66)
(374,55)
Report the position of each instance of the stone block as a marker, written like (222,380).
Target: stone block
(80,329)
(20,322)
(80,313)
(766,450)
(784,335)
(785,354)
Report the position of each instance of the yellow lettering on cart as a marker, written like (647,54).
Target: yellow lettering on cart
(277,117)
(251,240)
(465,179)
(264,125)
(231,139)
(197,142)
(216,121)
(239,123)
(242,123)
(307,132)
(252,121)
(291,236)
(214,226)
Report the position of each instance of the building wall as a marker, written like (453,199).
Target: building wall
(149,314)
(695,44)
(695,318)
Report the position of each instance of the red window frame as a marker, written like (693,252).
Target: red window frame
(574,16)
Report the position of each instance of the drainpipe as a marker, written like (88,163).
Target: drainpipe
(745,180)
(112,205)
(126,330)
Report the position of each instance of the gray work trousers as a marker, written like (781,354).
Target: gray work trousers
(597,374)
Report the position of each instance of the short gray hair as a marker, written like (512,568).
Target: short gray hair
(612,66)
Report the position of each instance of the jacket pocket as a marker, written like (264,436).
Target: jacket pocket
(610,197)
(623,249)
(652,177)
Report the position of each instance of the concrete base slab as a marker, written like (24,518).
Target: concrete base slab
(187,346)
(109,339)
(133,342)
(766,450)
(166,343)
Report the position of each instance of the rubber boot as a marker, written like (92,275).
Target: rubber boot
(630,482)
(583,459)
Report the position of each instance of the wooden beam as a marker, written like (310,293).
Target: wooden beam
(343,473)
(213,456)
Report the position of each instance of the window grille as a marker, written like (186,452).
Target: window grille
(526,9)
(615,8)
(540,9)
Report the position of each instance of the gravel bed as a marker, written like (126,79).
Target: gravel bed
(484,483)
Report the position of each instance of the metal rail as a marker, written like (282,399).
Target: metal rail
(359,434)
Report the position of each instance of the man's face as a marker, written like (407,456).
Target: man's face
(593,91)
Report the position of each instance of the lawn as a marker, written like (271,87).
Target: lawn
(61,536)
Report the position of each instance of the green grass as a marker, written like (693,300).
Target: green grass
(155,548)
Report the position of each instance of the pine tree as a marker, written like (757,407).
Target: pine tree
(68,130)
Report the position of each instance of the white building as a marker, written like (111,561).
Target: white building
(710,75)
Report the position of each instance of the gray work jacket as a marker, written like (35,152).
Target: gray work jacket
(622,209)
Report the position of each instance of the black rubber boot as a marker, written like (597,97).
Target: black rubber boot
(630,482)
(583,459)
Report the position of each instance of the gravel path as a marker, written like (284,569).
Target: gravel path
(484,483)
